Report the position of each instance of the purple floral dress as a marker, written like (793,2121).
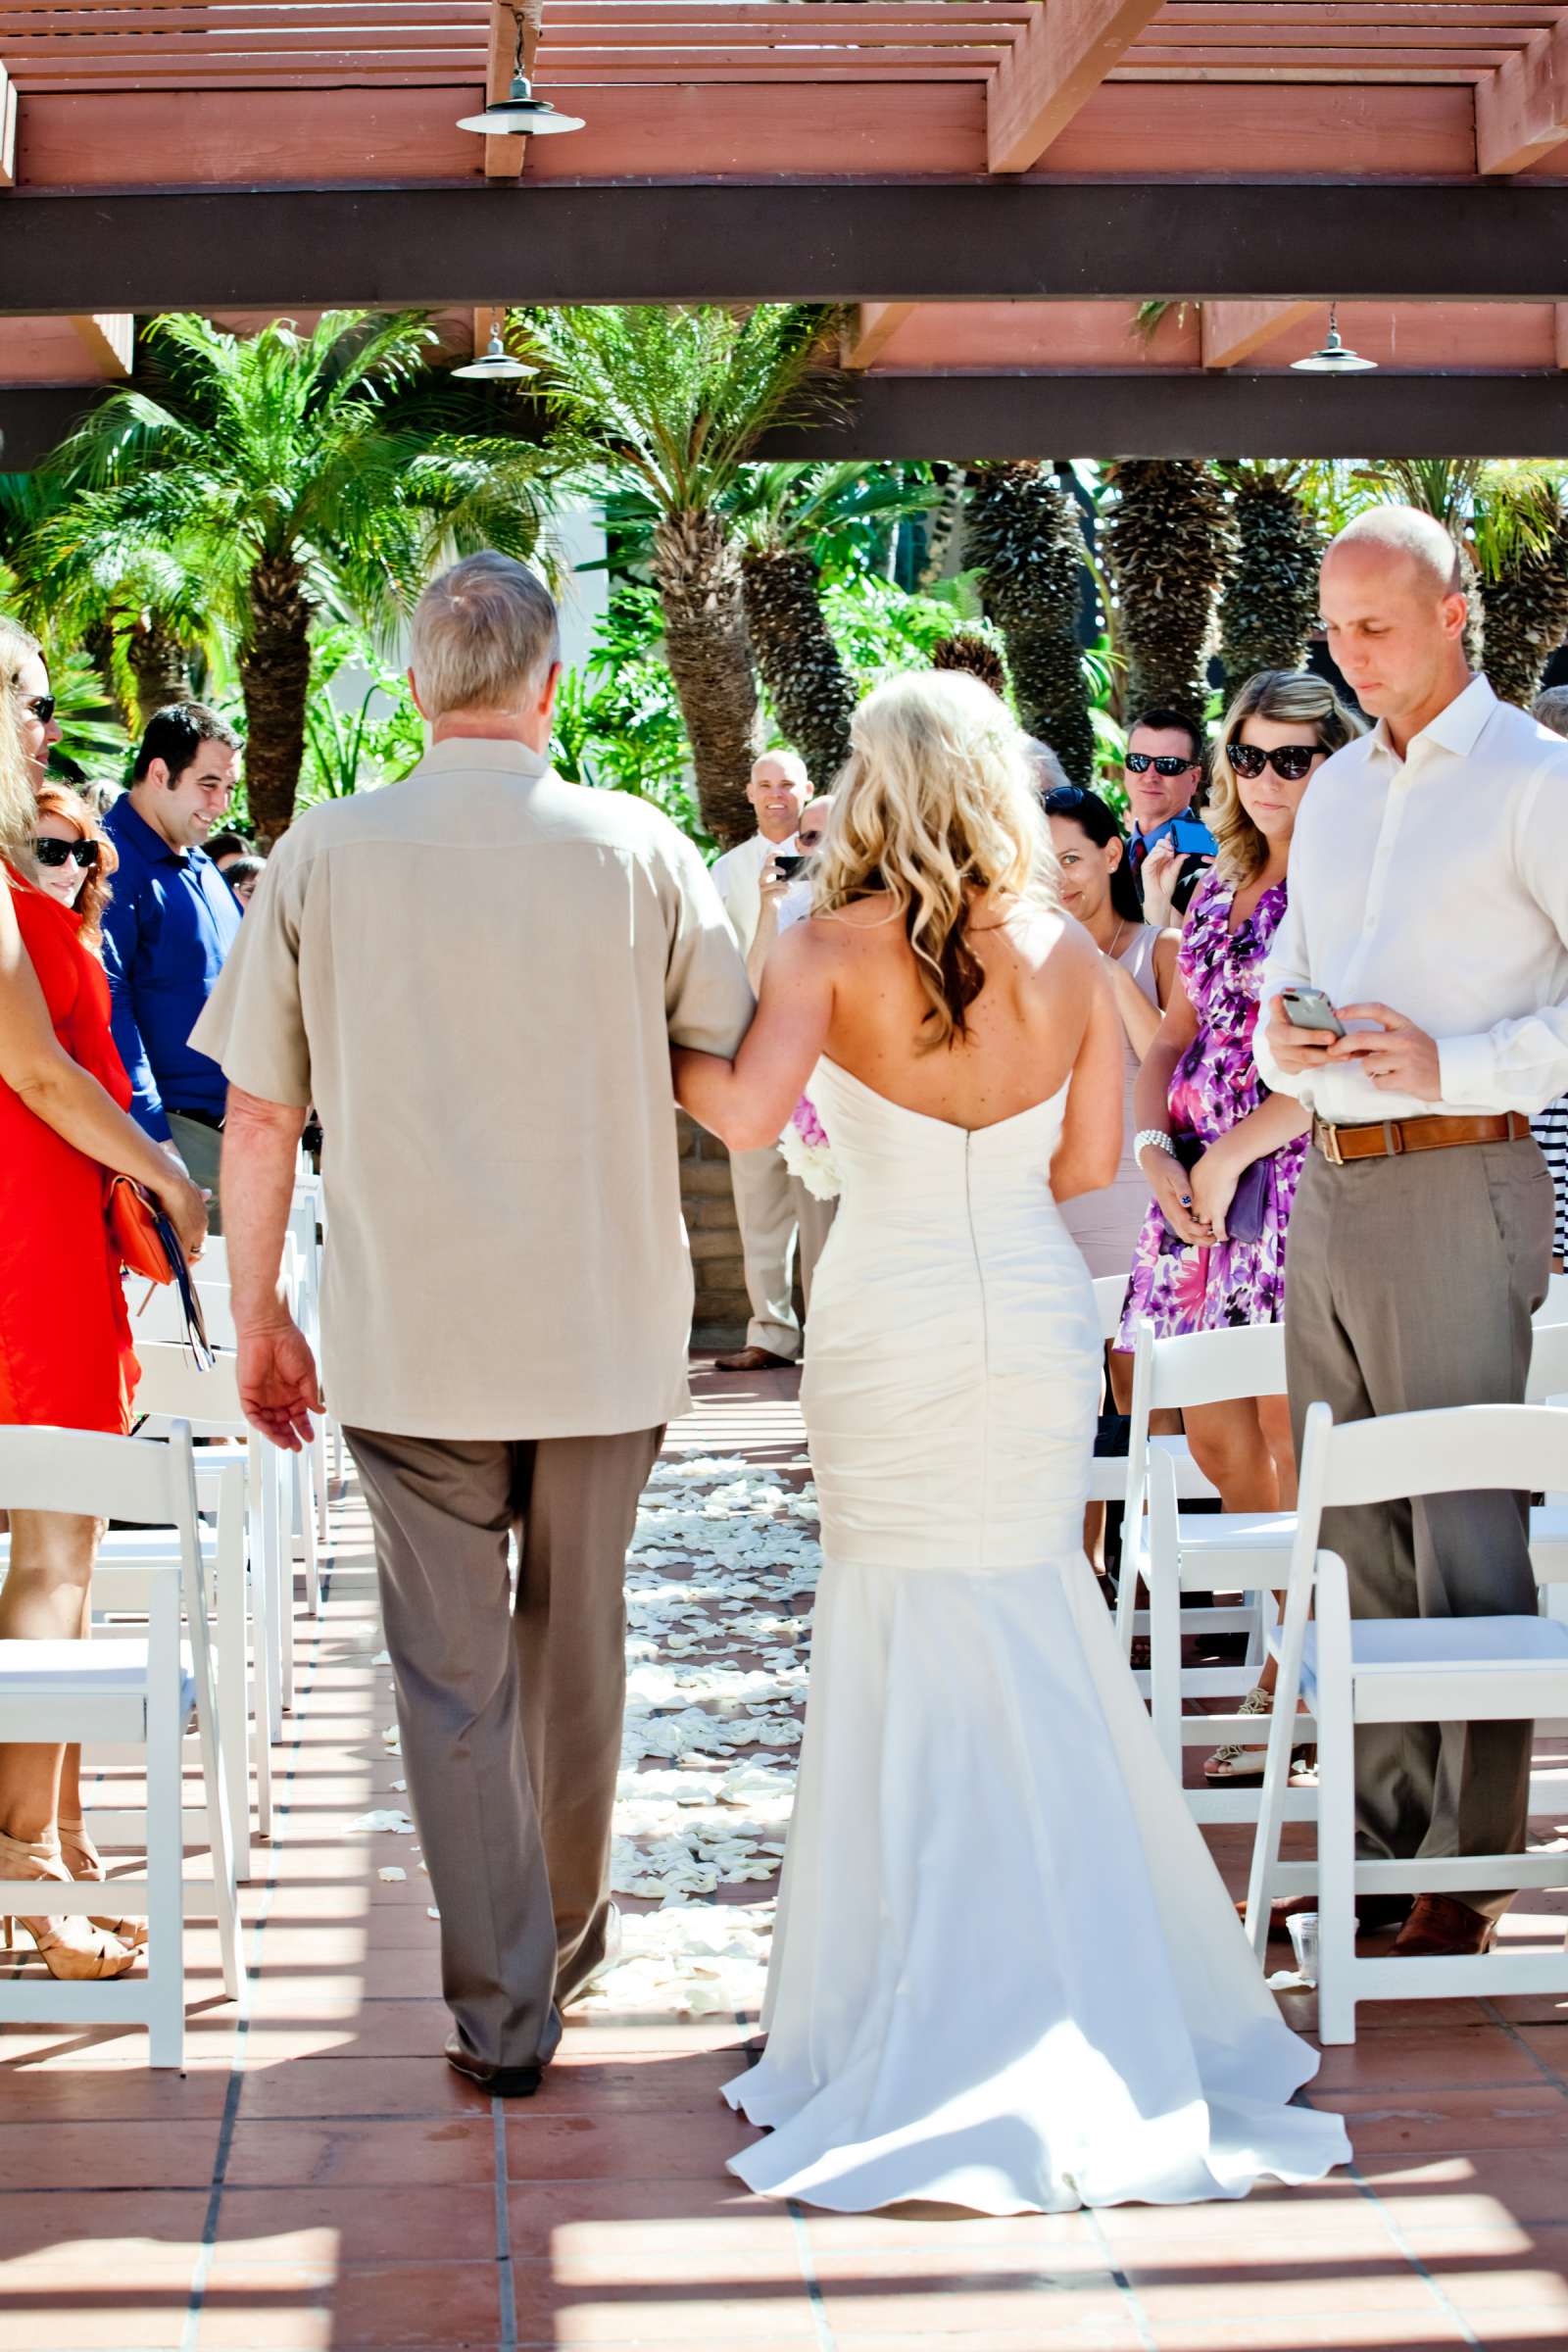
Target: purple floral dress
(1180,1288)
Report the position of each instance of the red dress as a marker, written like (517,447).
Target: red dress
(66,1358)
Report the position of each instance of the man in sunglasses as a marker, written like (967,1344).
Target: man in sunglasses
(1170,849)
(169,929)
(24,670)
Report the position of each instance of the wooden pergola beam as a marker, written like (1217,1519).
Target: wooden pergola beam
(873,330)
(1087,415)
(448,246)
(1068,49)
(503,157)
(108,338)
(1231,331)
(1522,109)
(8,131)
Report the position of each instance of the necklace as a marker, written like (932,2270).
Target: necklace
(1123,926)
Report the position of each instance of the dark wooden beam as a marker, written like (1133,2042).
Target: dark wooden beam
(846,240)
(1148,415)
(1151,415)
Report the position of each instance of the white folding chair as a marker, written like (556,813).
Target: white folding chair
(136,1690)
(242,1484)
(157,1316)
(1108,1474)
(1405,1670)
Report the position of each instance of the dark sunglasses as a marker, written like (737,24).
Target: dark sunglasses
(42,706)
(1290,760)
(809,841)
(55,853)
(1164,763)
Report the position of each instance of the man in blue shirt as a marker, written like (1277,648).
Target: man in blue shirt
(171,922)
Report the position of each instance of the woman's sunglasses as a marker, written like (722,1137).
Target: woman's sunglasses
(1164,763)
(1290,760)
(42,706)
(55,853)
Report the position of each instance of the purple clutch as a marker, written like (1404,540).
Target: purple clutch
(1245,1219)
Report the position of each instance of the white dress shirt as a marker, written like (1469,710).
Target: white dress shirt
(1437,885)
(738,878)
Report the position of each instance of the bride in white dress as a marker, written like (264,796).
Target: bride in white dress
(1005,1973)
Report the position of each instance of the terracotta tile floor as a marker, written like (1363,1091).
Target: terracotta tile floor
(320,2181)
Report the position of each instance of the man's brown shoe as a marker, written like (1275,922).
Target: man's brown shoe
(1441,1929)
(754,1360)
(1377,1913)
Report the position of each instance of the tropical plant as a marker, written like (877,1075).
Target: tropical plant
(1025,541)
(967,650)
(1270,602)
(617,722)
(354,748)
(796,521)
(677,401)
(296,471)
(1520,536)
(92,742)
(1167,538)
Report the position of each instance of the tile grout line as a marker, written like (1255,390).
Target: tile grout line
(504,2273)
(1514,2035)
(200,2275)
(1432,2286)
(820,2326)
(1120,2280)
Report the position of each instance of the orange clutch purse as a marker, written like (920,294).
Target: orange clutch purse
(137,1228)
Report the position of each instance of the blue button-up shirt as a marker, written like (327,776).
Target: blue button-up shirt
(172,920)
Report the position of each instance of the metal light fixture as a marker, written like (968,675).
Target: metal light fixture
(519,115)
(497,366)
(1334,358)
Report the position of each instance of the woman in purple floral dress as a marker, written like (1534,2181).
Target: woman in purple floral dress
(1208,1119)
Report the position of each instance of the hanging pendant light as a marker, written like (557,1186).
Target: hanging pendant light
(497,366)
(1334,358)
(519,115)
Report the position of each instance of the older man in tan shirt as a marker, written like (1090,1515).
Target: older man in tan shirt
(476,975)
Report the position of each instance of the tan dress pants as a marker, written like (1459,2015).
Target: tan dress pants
(1409,1284)
(511,1715)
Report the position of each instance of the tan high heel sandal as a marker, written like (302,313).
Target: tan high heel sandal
(68,1945)
(86,1864)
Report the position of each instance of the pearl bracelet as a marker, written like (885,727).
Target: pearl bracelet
(1158,1138)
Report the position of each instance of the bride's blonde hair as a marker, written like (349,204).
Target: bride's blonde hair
(935,804)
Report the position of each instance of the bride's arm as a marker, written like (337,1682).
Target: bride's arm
(747,1102)
(1090,1150)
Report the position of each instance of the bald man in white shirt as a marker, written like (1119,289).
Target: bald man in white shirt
(765,1196)
(1428,901)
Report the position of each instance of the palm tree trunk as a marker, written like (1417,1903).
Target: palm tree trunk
(274,668)
(811,692)
(1168,538)
(709,656)
(160,666)
(98,641)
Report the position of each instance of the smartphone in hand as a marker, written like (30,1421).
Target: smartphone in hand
(1310,1008)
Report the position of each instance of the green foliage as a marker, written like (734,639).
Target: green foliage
(882,630)
(843,515)
(355,748)
(91,736)
(617,721)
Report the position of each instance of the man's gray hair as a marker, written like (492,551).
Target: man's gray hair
(1050,774)
(485,637)
(1550,709)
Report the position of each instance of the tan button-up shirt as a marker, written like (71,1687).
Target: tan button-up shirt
(475,976)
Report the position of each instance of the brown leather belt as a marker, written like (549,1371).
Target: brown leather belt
(1394,1136)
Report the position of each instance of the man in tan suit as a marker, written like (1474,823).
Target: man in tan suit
(476,975)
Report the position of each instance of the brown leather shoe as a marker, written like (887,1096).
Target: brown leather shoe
(1441,1929)
(1377,1913)
(754,1360)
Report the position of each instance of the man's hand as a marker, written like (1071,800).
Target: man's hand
(1296,1048)
(1160,874)
(278,1385)
(1401,1059)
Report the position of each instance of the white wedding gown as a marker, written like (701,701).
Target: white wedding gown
(1005,1974)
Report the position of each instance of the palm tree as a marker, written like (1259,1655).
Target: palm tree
(792,519)
(291,472)
(1270,604)
(1024,537)
(1167,536)
(675,401)
(1520,534)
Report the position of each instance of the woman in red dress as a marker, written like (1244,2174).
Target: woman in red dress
(66,1358)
